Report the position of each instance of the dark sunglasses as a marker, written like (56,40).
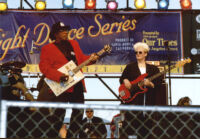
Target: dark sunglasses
(61,30)
(89,111)
(138,52)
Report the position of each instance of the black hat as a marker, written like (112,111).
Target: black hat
(59,26)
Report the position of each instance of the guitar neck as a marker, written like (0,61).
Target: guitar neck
(160,73)
(87,62)
(179,63)
(81,65)
(156,75)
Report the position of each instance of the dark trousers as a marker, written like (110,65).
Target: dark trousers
(76,96)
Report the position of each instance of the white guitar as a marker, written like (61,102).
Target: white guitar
(74,73)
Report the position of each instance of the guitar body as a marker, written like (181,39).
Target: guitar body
(74,73)
(126,95)
(58,87)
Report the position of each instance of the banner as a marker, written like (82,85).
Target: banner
(23,33)
(193,36)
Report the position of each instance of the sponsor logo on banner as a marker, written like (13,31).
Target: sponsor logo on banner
(195,51)
(198,18)
(198,34)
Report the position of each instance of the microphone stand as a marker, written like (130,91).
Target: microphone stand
(166,43)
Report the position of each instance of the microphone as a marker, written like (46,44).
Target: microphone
(32,52)
(32,48)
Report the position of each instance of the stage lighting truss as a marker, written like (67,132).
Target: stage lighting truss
(186,4)
(140,4)
(112,4)
(40,4)
(90,4)
(68,4)
(3,5)
(163,4)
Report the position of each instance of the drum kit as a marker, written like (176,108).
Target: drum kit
(12,80)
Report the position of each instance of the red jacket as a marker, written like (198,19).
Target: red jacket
(52,58)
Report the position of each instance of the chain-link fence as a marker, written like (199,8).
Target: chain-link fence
(39,119)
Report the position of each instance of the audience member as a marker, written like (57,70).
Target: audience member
(63,131)
(93,126)
(116,124)
(184,101)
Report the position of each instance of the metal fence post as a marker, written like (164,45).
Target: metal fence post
(3,117)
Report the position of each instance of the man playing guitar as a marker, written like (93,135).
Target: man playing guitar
(53,56)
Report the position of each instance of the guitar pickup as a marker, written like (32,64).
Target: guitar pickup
(71,73)
(122,93)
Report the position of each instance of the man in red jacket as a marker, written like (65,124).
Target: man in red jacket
(55,55)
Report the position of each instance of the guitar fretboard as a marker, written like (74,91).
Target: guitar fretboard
(87,62)
(159,74)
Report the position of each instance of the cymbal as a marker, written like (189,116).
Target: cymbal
(16,64)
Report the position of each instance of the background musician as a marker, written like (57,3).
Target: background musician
(14,86)
(131,73)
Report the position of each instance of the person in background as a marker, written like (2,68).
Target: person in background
(132,72)
(184,101)
(116,125)
(53,56)
(11,75)
(93,126)
(63,131)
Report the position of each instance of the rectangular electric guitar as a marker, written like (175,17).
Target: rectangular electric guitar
(128,95)
(74,73)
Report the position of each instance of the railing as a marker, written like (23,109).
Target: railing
(18,120)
